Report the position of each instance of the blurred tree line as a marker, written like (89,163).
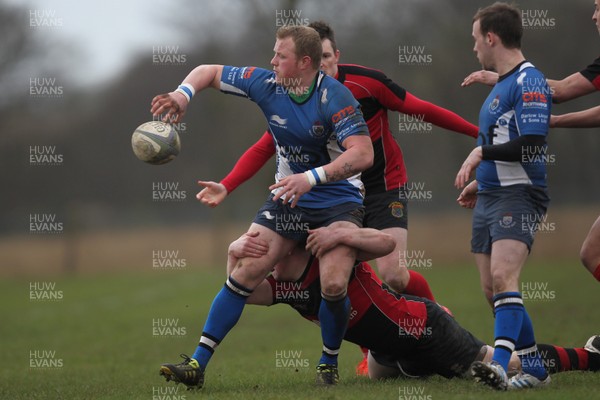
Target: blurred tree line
(100,184)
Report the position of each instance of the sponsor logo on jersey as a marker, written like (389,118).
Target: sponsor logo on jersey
(247,72)
(343,113)
(278,121)
(536,97)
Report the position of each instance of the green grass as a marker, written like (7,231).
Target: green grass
(101,331)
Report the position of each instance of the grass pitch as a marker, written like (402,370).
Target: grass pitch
(104,337)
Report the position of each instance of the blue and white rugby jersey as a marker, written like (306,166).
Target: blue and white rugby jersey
(519,104)
(308,134)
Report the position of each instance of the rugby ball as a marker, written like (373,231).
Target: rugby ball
(155,142)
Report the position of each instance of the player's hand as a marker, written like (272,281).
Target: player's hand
(486,77)
(321,240)
(554,120)
(470,164)
(292,187)
(249,245)
(213,193)
(173,105)
(468,197)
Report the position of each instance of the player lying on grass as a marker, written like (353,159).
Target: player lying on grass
(408,336)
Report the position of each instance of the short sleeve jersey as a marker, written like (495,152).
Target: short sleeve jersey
(519,104)
(307,134)
(592,73)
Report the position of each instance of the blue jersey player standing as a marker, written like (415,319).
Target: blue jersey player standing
(322,145)
(572,86)
(509,192)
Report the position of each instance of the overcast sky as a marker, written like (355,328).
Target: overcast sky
(108,32)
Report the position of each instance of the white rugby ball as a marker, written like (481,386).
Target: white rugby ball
(155,142)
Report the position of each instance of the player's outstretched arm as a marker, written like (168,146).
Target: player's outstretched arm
(438,116)
(573,86)
(589,118)
(250,162)
(370,243)
(174,104)
(393,97)
(213,193)
(486,77)
(247,166)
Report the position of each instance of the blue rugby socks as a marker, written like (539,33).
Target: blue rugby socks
(333,315)
(224,313)
(508,307)
(526,349)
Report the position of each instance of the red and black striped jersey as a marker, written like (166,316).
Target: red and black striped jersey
(377,94)
(367,297)
(592,73)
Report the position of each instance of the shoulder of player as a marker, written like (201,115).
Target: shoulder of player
(355,71)
(530,68)
(248,72)
(330,88)
(526,74)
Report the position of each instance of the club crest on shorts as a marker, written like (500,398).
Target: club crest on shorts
(397,209)
(507,221)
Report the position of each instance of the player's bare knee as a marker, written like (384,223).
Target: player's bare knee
(500,280)
(395,281)
(250,271)
(333,290)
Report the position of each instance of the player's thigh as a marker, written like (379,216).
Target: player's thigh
(393,266)
(393,260)
(507,259)
(400,236)
(250,271)
(446,348)
(590,250)
(292,266)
